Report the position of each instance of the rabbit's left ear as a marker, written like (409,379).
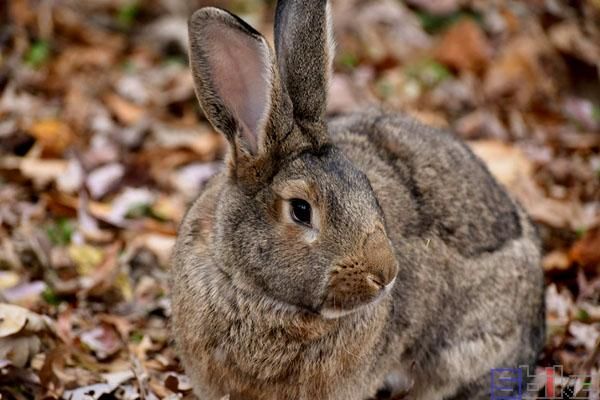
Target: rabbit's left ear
(305,49)
(237,83)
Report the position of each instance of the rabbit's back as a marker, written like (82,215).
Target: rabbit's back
(448,190)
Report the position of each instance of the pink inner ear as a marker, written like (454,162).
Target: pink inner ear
(240,71)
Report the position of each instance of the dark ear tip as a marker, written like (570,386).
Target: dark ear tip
(204,15)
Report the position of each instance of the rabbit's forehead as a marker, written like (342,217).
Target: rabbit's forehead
(331,180)
(330,172)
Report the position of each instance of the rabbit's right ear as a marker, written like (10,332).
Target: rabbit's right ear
(237,83)
(305,49)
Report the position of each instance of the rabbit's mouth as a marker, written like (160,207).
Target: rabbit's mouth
(339,307)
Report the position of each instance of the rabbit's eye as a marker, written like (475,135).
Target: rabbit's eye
(300,211)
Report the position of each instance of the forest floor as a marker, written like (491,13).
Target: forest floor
(103,146)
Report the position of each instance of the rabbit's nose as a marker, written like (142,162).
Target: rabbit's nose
(380,259)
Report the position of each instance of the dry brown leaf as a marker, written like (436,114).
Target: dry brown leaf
(556,260)
(513,169)
(569,38)
(507,163)
(586,251)
(378,30)
(40,171)
(104,274)
(127,112)
(556,213)
(102,340)
(159,244)
(202,140)
(54,135)
(480,124)
(528,70)
(464,47)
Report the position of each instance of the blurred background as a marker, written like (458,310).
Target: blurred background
(103,146)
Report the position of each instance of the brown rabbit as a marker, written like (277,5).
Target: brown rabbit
(368,256)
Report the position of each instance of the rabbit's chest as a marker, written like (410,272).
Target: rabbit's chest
(259,353)
(267,363)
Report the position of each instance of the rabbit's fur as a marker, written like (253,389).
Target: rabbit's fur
(417,272)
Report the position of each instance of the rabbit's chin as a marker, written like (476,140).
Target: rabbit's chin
(334,313)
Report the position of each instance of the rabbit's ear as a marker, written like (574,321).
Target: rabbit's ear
(236,80)
(305,49)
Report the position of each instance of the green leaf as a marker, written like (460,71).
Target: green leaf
(348,60)
(384,89)
(38,54)
(583,315)
(178,60)
(136,336)
(60,232)
(141,210)
(428,72)
(580,232)
(596,112)
(51,297)
(128,66)
(434,23)
(128,13)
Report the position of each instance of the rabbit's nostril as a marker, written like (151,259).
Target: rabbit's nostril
(375,281)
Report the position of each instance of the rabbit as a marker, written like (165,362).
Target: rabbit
(366,256)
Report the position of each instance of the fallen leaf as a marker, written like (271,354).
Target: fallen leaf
(528,70)
(481,124)
(204,141)
(8,279)
(584,334)
(127,200)
(464,46)
(569,38)
(159,245)
(583,112)
(103,341)
(439,7)
(25,294)
(18,334)
(18,350)
(127,112)
(91,392)
(378,30)
(556,260)
(507,163)
(72,178)
(189,179)
(103,179)
(558,305)
(55,136)
(40,171)
(586,251)
(86,258)
(117,378)
(12,319)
